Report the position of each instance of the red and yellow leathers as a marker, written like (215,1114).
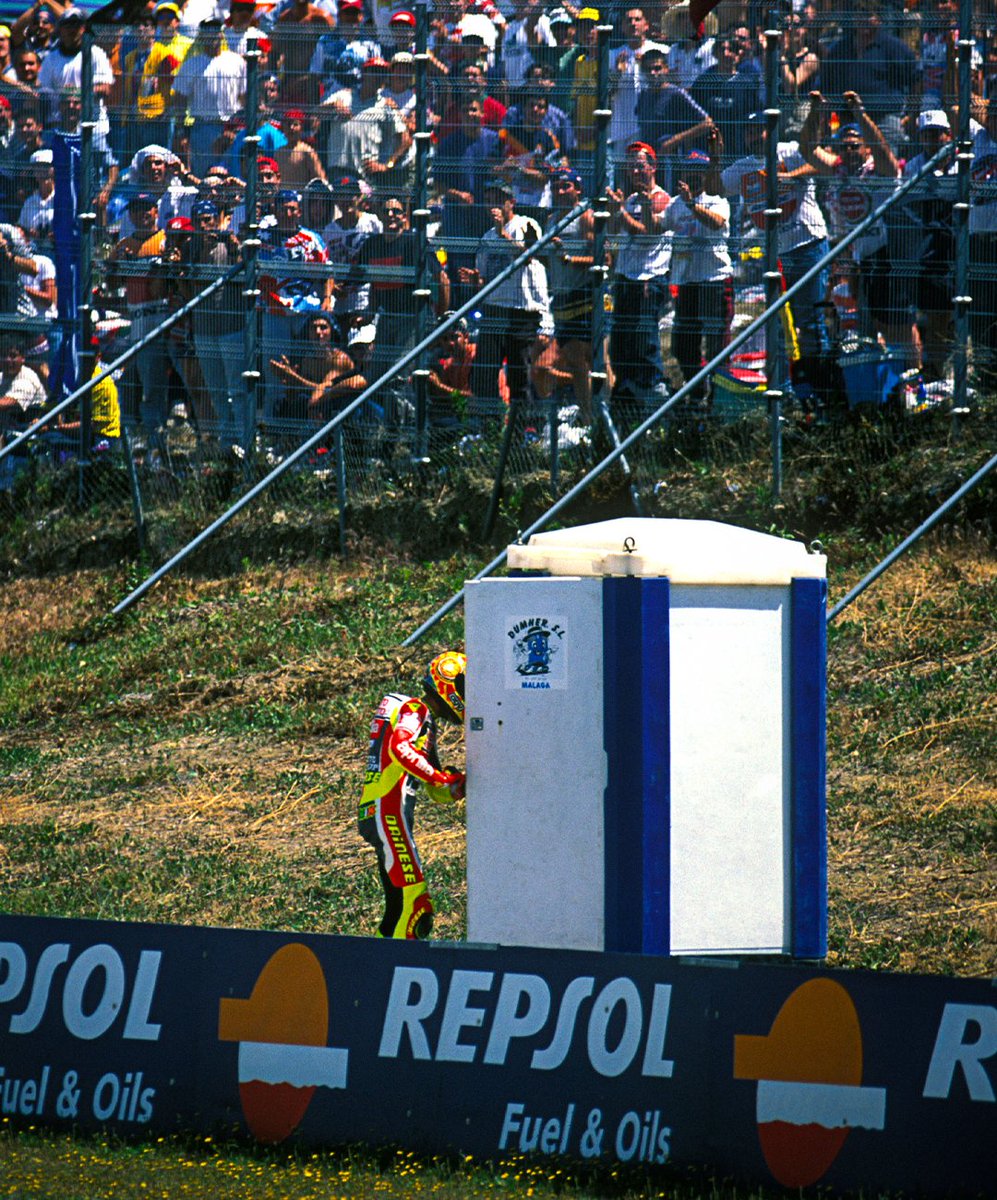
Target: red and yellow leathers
(401,756)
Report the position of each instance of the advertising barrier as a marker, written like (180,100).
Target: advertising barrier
(772,1073)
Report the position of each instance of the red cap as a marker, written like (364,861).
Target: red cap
(294,114)
(642,148)
(403,18)
(179,223)
(271,163)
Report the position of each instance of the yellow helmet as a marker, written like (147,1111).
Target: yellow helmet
(445,679)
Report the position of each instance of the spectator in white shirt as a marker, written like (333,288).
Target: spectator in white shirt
(38,210)
(62,67)
(211,86)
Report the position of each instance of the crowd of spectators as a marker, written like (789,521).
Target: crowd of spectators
(865,91)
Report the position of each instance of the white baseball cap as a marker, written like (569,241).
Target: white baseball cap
(934,118)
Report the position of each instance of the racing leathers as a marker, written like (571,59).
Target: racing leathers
(401,757)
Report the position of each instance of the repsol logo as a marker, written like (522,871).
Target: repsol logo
(94,990)
(474,1016)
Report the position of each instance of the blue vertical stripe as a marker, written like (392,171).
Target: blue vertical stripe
(635,729)
(808,648)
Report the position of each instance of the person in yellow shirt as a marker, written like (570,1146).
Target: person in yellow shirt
(105,411)
(154,108)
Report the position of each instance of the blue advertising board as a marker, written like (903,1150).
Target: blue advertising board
(773,1073)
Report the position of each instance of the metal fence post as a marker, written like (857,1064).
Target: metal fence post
(88,220)
(420,215)
(250,250)
(602,115)
(960,218)
(776,349)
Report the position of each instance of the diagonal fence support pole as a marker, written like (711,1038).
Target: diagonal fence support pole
(916,536)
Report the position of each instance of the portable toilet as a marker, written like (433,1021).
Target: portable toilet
(646,742)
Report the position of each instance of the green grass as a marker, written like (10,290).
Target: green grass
(42,1166)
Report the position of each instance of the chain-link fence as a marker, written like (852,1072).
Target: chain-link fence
(367,169)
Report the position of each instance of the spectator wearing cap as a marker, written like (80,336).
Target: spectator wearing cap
(318,208)
(374,131)
(569,275)
(511,315)
(926,242)
(640,288)
(889,71)
(38,211)
(482,24)
(210,87)
(626,81)
(155,106)
(700,269)
(63,65)
(6,61)
(861,173)
(390,260)
(289,294)
(400,32)
(667,116)
(128,267)
(562,58)
(802,243)
(35,28)
(6,123)
(295,35)
(344,233)
(399,89)
(583,70)
(339,55)
(218,324)
(298,161)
